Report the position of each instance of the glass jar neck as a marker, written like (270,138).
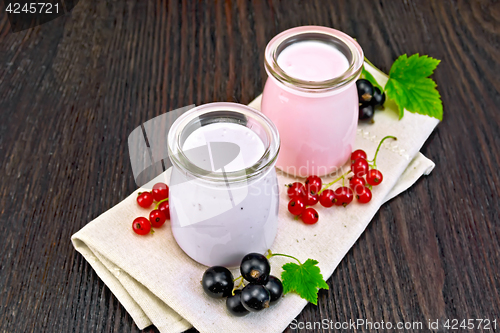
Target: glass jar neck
(232,113)
(337,39)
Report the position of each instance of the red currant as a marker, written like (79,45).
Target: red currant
(364,196)
(327,198)
(313,183)
(157,218)
(344,196)
(296,190)
(310,216)
(312,198)
(358,154)
(374,177)
(160,191)
(141,226)
(360,167)
(164,207)
(296,206)
(145,199)
(357,184)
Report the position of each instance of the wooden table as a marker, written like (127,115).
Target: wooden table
(73,89)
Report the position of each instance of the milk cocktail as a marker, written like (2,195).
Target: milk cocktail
(311,97)
(312,60)
(223,194)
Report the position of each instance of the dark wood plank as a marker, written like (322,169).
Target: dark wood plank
(72,90)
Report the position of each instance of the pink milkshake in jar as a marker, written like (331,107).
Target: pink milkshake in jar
(311,97)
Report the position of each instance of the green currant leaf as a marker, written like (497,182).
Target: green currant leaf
(305,280)
(366,75)
(415,66)
(410,87)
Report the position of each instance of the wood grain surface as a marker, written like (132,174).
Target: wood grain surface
(73,89)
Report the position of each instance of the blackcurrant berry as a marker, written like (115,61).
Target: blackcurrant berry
(378,98)
(365,90)
(366,111)
(217,282)
(234,306)
(255,268)
(275,288)
(255,297)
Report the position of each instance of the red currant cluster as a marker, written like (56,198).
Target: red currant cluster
(364,177)
(158,216)
(302,196)
(360,168)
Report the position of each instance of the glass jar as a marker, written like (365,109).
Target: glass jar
(223,187)
(311,97)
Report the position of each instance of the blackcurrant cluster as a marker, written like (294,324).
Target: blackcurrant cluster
(158,216)
(369,97)
(262,290)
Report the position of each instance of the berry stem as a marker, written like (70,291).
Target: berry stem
(270,255)
(159,202)
(378,148)
(371,64)
(239,284)
(333,182)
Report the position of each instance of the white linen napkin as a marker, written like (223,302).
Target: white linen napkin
(159,284)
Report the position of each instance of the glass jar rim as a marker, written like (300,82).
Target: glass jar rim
(231,113)
(355,57)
